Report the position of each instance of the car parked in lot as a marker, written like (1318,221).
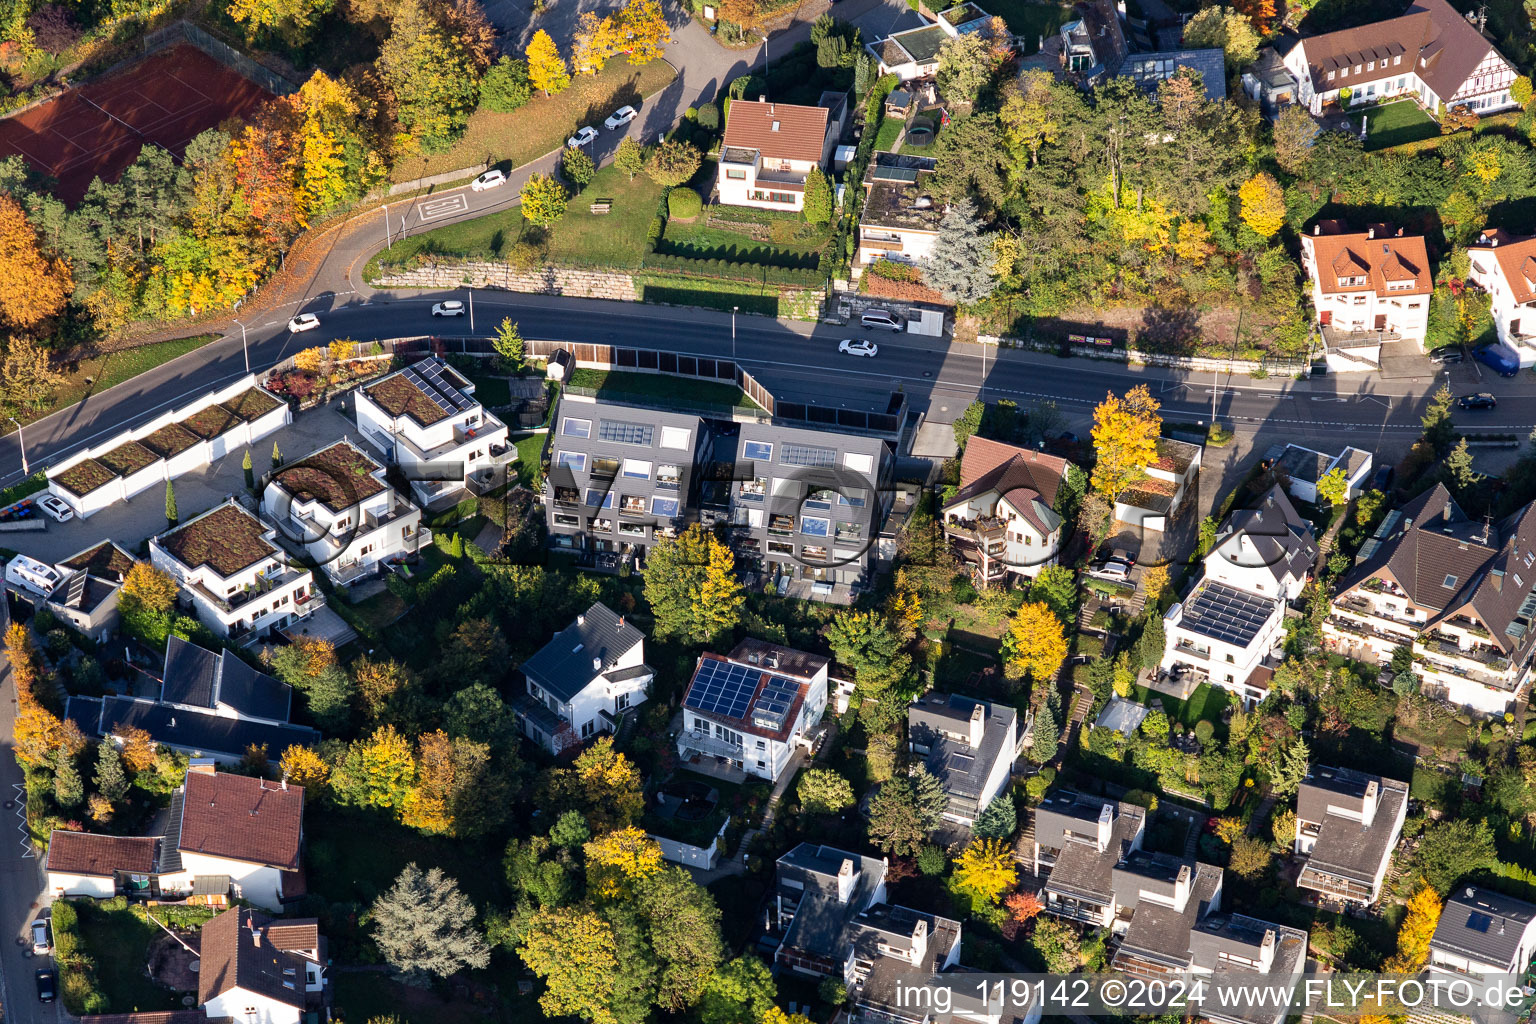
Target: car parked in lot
(56,508)
(1383,478)
(1497,359)
(582,137)
(621,117)
(1447,356)
(47,985)
(40,943)
(303,322)
(1481,400)
(881,318)
(858,348)
(490,179)
(1112,571)
(453,307)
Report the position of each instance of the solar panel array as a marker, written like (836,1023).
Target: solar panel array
(806,455)
(623,432)
(773,704)
(905,174)
(1227,614)
(1479,922)
(430,379)
(721,688)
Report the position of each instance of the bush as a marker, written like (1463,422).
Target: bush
(709,116)
(931,861)
(505,86)
(684,204)
(653,233)
(1204,730)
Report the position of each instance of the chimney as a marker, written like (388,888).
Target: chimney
(762,97)
(1317,229)
(1106,825)
(1181,886)
(919,941)
(581,620)
(202,766)
(845,881)
(1368,805)
(1370,232)
(285,782)
(621,622)
(597,664)
(978,724)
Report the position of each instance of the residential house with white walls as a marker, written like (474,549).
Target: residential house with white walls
(1372,285)
(770,150)
(968,745)
(260,970)
(426,419)
(1078,840)
(1504,266)
(914,53)
(1229,629)
(1301,468)
(335,503)
(582,682)
(223,834)
(1460,592)
(1482,932)
(752,709)
(1150,504)
(1347,825)
(899,221)
(82,589)
(1002,521)
(240,584)
(178,441)
(1430,54)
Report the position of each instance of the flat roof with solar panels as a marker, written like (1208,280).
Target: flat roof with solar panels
(428,392)
(1227,614)
(752,699)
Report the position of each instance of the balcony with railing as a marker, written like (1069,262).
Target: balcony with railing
(709,744)
(567,497)
(1364,608)
(263,586)
(979,531)
(1189,650)
(1076,909)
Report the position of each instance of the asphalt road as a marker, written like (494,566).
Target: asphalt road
(796,361)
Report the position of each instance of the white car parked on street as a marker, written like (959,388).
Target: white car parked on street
(303,322)
(582,137)
(453,307)
(621,117)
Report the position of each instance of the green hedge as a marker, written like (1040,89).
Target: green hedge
(727,270)
(684,203)
(77,981)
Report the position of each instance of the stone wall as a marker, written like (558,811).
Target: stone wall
(584,284)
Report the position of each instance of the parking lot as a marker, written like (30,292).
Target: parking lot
(132,522)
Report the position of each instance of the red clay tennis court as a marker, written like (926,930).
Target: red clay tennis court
(97,129)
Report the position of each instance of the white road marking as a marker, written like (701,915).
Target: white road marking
(27,849)
(442,206)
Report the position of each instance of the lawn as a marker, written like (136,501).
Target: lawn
(96,374)
(1030,20)
(763,237)
(1207,702)
(491,392)
(1394,124)
(117,941)
(543,124)
(654,386)
(530,449)
(885,141)
(580,237)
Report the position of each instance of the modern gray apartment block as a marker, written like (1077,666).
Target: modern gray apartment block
(620,477)
(807,504)
(804,506)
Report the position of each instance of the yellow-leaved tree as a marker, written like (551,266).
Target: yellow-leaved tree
(546,68)
(33,285)
(1125,432)
(596,40)
(617,859)
(985,871)
(644,30)
(1263,204)
(1036,644)
(774,1015)
(1417,929)
(304,768)
(153,589)
(573,950)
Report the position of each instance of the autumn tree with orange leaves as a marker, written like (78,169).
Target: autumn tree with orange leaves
(33,285)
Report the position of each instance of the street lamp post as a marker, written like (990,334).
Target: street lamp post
(471,309)
(389,243)
(243,347)
(733,332)
(26,470)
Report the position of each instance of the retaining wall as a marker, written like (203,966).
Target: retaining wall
(584,284)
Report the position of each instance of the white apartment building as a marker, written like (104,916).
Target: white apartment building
(426,419)
(969,745)
(239,583)
(770,149)
(335,503)
(1431,54)
(1228,630)
(1002,521)
(1347,825)
(1376,282)
(753,708)
(583,681)
(1505,267)
(1461,593)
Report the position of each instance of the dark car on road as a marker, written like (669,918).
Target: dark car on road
(1481,400)
(1447,356)
(47,987)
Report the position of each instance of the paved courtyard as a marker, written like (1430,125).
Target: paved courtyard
(133,522)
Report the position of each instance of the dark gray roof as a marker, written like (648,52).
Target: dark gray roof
(1235,932)
(200,731)
(1143,871)
(168,827)
(1345,847)
(1271,534)
(1161,934)
(821,924)
(1065,811)
(85,712)
(961,768)
(564,666)
(1149,70)
(894,926)
(1484,925)
(1082,869)
(196,677)
(1225,613)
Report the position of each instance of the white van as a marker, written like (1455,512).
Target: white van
(883,319)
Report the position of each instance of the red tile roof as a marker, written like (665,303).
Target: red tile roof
(1380,259)
(1517,262)
(85,853)
(780,131)
(242,818)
